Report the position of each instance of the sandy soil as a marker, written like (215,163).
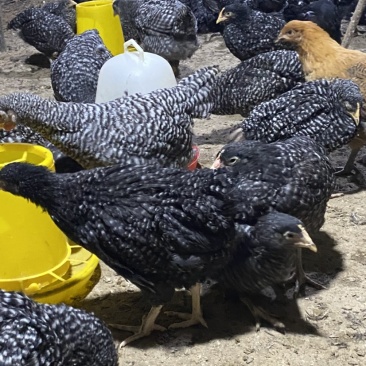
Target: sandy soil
(324,327)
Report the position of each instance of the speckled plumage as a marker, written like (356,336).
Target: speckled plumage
(261,78)
(319,109)
(48,335)
(165,27)
(160,228)
(74,74)
(47,32)
(156,126)
(63,8)
(264,257)
(248,32)
(292,176)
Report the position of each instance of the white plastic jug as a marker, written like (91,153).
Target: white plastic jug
(133,72)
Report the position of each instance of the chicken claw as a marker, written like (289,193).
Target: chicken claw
(259,313)
(196,316)
(8,120)
(143,330)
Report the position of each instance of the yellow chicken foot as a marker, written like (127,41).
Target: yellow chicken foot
(301,278)
(196,316)
(143,330)
(259,313)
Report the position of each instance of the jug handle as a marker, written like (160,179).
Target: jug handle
(133,43)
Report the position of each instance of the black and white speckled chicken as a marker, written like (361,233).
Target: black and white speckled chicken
(325,110)
(47,335)
(160,228)
(165,27)
(292,176)
(265,257)
(47,32)
(248,32)
(156,126)
(256,80)
(64,9)
(74,74)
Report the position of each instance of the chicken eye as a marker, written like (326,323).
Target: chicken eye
(290,32)
(348,106)
(233,160)
(289,235)
(228,13)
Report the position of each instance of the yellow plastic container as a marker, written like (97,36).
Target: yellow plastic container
(33,251)
(99,15)
(35,256)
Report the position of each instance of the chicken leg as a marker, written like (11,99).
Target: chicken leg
(143,330)
(196,316)
(259,313)
(302,278)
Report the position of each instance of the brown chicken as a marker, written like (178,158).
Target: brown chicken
(322,57)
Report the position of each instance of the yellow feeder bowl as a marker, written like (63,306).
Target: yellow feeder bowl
(35,256)
(99,15)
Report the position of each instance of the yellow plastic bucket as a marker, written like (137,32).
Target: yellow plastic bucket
(33,251)
(99,15)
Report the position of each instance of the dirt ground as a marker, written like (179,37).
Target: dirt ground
(324,327)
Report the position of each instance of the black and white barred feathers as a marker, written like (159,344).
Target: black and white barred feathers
(292,176)
(165,27)
(256,80)
(49,335)
(324,110)
(74,74)
(47,32)
(248,32)
(154,126)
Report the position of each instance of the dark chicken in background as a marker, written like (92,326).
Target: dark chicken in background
(75,72)
(47,335)
(155,126)
(292,176)
(160,228)
(322,57)
(256,80)
(47,32)
(248,32)
(326,111)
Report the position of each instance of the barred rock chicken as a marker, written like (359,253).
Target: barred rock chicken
(155,126)
(165,27)
(326,111)
(266,257)
(292,176)
(47,32)
(247,32)
(322,12)
(256,80)
(64,9)
(74,74)
(322,57)
(160,228)
(38,334)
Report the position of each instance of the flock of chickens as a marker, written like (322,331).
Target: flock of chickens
(121,187)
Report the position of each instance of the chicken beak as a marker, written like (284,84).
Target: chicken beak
(217,163)
(356,114)
(305,241)
(221,16)
(279,38)
(71,3)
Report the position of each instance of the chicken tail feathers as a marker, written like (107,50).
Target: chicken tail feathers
(198,86)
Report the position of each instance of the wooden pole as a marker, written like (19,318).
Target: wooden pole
(353,23)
